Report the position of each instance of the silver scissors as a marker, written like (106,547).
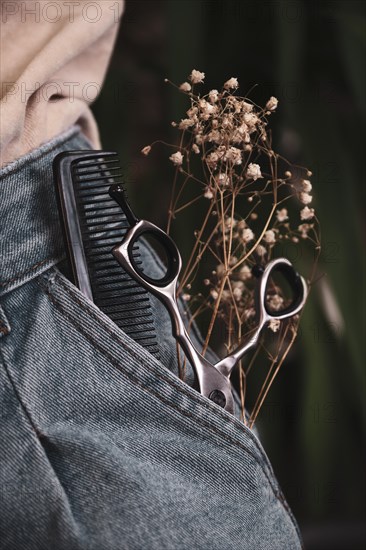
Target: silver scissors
(213,380)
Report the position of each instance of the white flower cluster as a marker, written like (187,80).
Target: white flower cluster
(225,136)
(224,127)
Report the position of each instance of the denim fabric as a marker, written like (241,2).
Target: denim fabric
(102,446)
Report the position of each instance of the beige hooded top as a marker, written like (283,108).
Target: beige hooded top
(53,59)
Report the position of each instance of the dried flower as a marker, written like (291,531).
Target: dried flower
(222,180)
(275,302)
(231,83)
(271,104)
(254,171)
(233,154)
(222,138)
(214,294)
(304,229)
(186,123)
(146,150)
(306,186)
(270,237)
(185,87)
(282,215)
(245,273)
(305,198)
(261,250)
(213,96)
(196,77)
(208,194)
(238,290)
(177,158)
(274,325)
(247,235)
(307,213)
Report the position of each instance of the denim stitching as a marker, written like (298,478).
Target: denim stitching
(19,275)
(19,399)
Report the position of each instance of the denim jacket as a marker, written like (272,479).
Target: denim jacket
(102,446)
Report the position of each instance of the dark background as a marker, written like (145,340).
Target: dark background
(311,56)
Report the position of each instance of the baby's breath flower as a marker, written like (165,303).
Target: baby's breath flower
(222,137)
(185,87)
(192,112)
(212,159)
(208,194)
(232,83)
(305,198)
(196,77)
(227,121)
(214,294)
(246,107)
(272,103)
(247,235)
(226,296)
(146,150)
(214,136)
(261,250)
(222,179)
(213,96)
(306,186)
(238,289)
(274,324)
(307,213)
(177,158)
(233,154)
(245,273)
(207,109)
(275,302)
(254,171)
(269,237)
(250,120)
(282,215)
(304,229)
(186,123)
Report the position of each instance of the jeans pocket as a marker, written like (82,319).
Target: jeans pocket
(141,456)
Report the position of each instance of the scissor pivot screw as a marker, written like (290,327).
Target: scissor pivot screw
(218,397)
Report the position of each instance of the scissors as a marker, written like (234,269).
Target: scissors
(213,380)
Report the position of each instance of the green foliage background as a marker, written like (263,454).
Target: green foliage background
(311,55)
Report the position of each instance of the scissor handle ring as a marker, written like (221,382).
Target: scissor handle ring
(171,252)
(296,282)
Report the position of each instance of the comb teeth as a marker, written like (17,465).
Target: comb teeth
(102,225)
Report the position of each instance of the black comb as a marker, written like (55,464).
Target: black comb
(93,224)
